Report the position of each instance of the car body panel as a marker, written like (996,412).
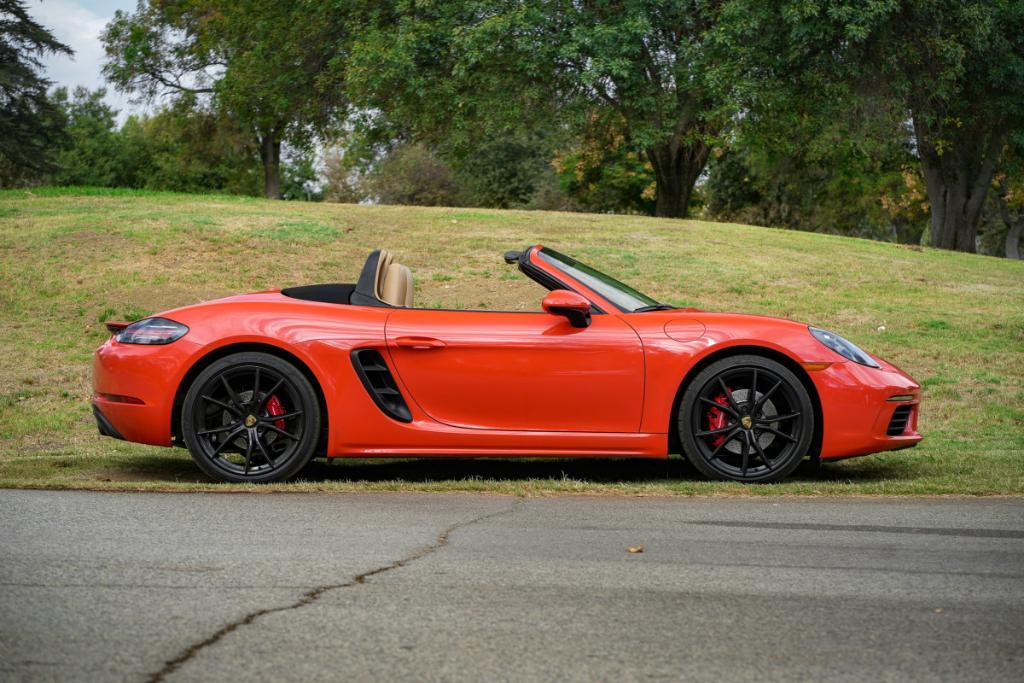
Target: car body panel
(520,371)
(498,383)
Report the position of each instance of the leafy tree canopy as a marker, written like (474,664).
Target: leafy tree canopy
(466,69)
(954,69)
(852,174)
(30,124)
(180,148)
(262,62)
(91,154)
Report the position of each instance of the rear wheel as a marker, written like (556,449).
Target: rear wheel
(251,417)
(746,418)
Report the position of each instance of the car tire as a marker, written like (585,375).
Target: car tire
(251,417)
(728,435)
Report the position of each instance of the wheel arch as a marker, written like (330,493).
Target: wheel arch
(222,351)
(674,444)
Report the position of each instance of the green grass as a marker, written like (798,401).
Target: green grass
(74,258)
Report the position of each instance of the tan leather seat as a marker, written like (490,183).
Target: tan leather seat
(394,284)
(397,289)
(383,261)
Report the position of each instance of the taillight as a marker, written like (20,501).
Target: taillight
(152,331)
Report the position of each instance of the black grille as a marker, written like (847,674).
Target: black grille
(898,423)
(377,379)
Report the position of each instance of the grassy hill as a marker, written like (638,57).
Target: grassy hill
(72,259)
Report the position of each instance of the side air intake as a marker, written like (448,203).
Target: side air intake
(377,379)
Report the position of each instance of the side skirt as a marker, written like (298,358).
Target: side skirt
(522,444)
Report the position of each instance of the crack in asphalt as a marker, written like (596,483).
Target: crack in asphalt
(313,594)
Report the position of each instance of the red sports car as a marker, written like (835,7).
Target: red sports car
(257,385)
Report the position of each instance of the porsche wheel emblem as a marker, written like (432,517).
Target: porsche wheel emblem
(747,422)
(250,421)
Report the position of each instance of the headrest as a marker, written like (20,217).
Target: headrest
(367,293)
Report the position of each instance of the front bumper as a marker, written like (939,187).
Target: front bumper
(858,409)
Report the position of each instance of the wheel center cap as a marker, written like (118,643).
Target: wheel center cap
(747,422)
(250,421)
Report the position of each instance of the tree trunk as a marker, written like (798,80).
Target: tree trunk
(1015,224)
(1013,239)
(958,179)
(270,154)
(956,200)
(676,169)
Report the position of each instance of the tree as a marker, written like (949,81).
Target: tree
(601,173)
(413,174)
(344,177)
(973,55)
(301,180)
(1009,198)
(179,148)
(92,152)
(184,148)
(1011,210)
(843,175)
(955,67)
(262,62)
(504,172)
(466,69)
(30,123)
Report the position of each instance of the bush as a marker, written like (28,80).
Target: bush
(412,174)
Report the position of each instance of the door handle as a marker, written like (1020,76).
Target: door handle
(420,343)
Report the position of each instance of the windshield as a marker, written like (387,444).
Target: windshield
(623,296)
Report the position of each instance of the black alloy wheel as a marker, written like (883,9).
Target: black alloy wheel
(251,417)
(746,418)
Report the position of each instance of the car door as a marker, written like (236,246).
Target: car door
(519,371)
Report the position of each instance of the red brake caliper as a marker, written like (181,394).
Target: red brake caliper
(717,419)
(274,407)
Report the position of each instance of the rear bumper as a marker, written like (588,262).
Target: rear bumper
(858,409)
(134,388)
(104,425)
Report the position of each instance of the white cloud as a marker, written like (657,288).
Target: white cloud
(78,25)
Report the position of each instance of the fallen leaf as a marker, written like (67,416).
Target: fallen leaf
(635,549)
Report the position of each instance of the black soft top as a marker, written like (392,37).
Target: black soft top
(328,294)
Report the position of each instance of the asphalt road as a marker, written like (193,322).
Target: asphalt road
(462,587)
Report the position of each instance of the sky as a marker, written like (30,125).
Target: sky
(78,24)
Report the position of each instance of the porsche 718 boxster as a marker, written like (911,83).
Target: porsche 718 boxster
(257,385)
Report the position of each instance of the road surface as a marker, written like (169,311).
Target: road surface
(118,586)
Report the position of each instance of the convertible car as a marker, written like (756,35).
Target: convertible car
(257,385)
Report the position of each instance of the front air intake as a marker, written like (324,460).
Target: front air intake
(380,384)
(899,421)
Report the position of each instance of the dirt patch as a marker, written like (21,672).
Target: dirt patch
(93,240)
(112,475)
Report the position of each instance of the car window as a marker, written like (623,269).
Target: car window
(623,296)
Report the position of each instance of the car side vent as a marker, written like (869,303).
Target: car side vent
(898,423)
(380,384)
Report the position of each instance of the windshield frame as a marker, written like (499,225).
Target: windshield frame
(617,293)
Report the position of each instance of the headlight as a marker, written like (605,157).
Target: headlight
(151,331)
(845,348)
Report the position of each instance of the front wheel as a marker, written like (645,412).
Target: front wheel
(746,418)
(251,417)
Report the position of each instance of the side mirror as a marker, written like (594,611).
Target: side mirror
(569,304)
